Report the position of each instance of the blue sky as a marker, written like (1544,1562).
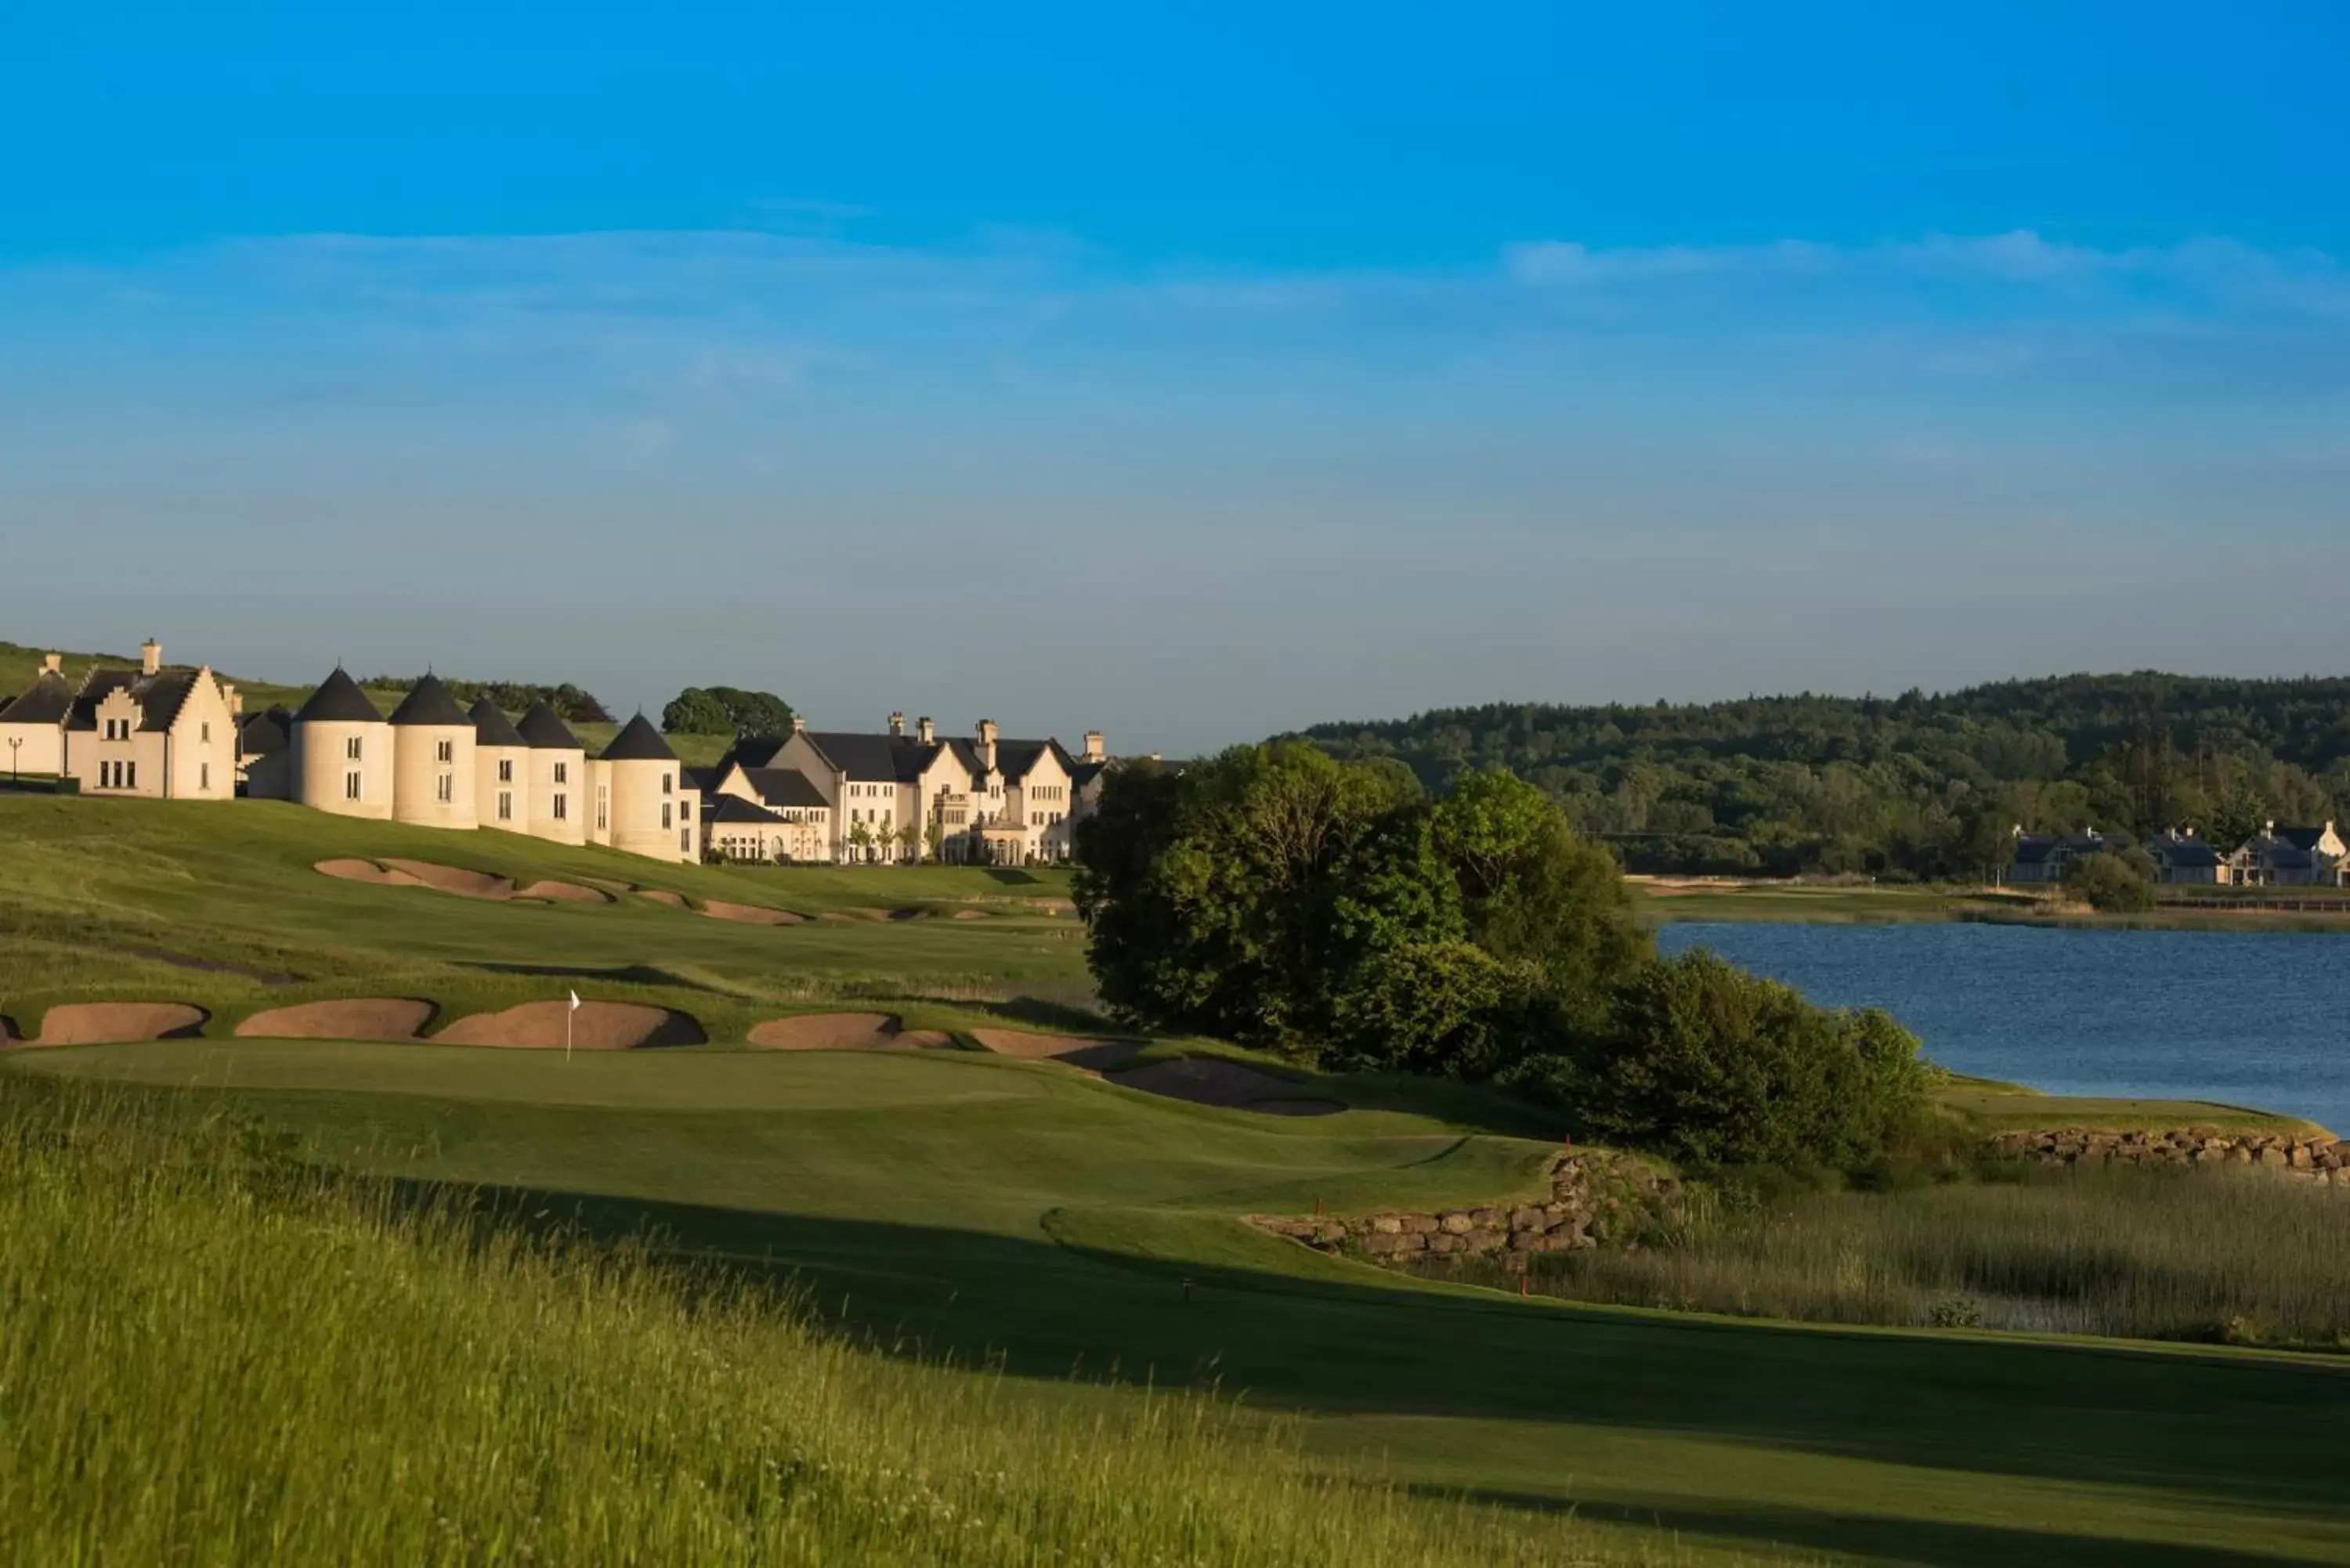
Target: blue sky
(1191,374)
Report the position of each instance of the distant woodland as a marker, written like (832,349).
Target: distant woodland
(1914,786)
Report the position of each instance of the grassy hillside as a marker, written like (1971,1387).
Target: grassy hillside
(985,1210)
(377,1382)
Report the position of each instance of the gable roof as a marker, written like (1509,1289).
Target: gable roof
(429,703)
(785,787)
(262,734)
(339,699)
(543,730)
(1018,759)
(868,759)
(638,742)
(2302,838)
(734,808)
(492,727)
(753,752)
(1084,774)
(160,696)
(45,701)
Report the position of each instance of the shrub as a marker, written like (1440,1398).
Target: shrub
(2112,884)
(1707,1064)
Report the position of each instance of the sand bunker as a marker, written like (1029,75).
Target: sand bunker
(1204,1081)
(112,1022)
(844,1032)
(663,897)
(365,871)
(968,915)
(597,1026)
(564,893)
(358,1018)
(750,914)
(451,879)
(1096,1055)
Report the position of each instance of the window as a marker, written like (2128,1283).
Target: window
(665,813)
(563,808)
(505,770)
(351,785)
(506,805)
(685,839)
(444,751)
(351,750)
(203,775)
(204,733)
(603,807)
(685,811)
(562,772)
(131,776)
(445,789)
(669,784)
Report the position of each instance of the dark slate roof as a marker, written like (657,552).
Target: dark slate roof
(734,808)
(872,759)
(2282,856)
(492,727)
(339,699)
(703,780)
(429,703)
(785,787)
(1084,774)
(638,742)
(542,728)
(2190,852)
(47,699)
(262,734)
(160,696)
(2032,850)
(2301,837)
(753,752)
(1017,758)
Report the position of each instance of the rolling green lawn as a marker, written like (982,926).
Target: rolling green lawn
(955,1204)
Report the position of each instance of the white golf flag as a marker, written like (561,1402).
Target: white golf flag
(575,1001)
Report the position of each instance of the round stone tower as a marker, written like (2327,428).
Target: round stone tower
(342,752)
(559,797)
(433,762)
(501,770)
(650,813)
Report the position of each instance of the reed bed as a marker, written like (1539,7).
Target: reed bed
(2243,1257)
(210,1354)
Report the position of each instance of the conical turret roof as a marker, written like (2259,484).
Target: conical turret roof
(543,730)
(339,699)
(429,703)
(492,727)
(638,742)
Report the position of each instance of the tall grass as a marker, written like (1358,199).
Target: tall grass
(211,1356)
(2145,1253)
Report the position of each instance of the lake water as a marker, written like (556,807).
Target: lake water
(2247,1018)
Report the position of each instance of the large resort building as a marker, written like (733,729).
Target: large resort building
(812,797)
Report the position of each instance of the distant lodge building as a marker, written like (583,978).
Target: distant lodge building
(2274,858)
(825,797)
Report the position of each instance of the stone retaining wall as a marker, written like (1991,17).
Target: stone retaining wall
(1595,1198)
(2313,1157)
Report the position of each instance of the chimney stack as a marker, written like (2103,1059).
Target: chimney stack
(896,724)
(927,731)
(1093,746)
(53,664)
(233,697)
(987,744)
(799,723)
(150,656)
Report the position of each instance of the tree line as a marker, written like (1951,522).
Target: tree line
(570,702)
(1915,786)
(1335,913)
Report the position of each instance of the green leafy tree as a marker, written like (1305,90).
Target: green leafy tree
(934,838)
(1535,894)
(694,711)
(861,839)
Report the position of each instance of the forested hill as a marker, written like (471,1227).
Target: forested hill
(1927,785)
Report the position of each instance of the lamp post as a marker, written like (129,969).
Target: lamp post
(14,741)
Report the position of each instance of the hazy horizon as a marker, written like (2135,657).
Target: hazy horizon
(1191,384)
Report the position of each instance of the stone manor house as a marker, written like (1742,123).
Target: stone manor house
(175,732)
